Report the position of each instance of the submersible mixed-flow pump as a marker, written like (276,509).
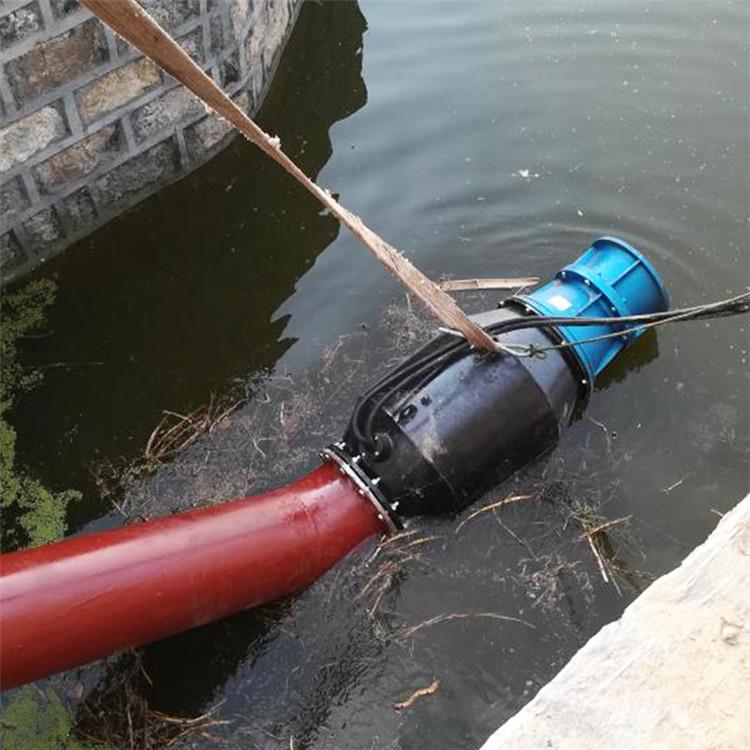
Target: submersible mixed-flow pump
(428,438)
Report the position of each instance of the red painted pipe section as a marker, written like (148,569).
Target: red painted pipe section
(65,604)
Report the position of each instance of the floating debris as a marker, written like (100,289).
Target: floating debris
(526,174)
(431,689)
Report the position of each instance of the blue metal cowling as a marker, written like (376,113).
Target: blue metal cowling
(610,279)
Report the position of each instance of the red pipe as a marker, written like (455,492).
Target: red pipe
(69,603)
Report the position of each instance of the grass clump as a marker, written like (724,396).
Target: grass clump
(36,719)
(31,513)
(32,718)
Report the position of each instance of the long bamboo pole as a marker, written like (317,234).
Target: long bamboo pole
(131,22)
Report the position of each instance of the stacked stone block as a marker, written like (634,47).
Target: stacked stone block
(88,126)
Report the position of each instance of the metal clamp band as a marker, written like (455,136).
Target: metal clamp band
(363,485)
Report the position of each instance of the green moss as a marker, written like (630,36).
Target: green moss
(23,312)
(31,513)
(37,720)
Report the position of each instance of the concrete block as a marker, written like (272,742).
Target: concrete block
(11,254)
(277,28)
(192,43)
(23,138)
(167,13)
(256,39)
(206,134)
(79,159)
(245,102)
(165,112)
(62,8)
(170,13)
(57,61)
(143,172)
(217,34)
(116,88)
(13,201)
(43,228)
(275,34)
(229,71)
(80,208)
(19,24)
(238,12)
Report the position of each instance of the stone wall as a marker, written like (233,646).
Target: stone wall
(88,127)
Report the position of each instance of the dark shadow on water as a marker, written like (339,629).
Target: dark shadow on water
(185,686)
(642,353)
(175,299)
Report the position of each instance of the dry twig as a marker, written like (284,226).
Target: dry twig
(176,431)
(602,527)
(417,694)
(438,619)
(415,543)
(492,506)
(388,541)
(465,285)
(598,558)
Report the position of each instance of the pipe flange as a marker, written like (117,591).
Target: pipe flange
(364,484)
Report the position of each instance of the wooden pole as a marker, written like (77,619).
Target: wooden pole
(131,22)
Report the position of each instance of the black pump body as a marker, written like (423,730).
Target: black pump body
(471,425)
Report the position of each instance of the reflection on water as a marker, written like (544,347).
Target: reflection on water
(497,139)
(174,300)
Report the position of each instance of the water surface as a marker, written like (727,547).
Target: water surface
(483,139)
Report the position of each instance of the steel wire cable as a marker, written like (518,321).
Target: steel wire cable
(429,359)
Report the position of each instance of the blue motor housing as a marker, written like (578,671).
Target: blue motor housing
(610,279)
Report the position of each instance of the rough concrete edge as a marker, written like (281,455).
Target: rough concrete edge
(570,712)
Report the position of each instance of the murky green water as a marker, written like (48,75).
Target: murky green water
(484,139)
